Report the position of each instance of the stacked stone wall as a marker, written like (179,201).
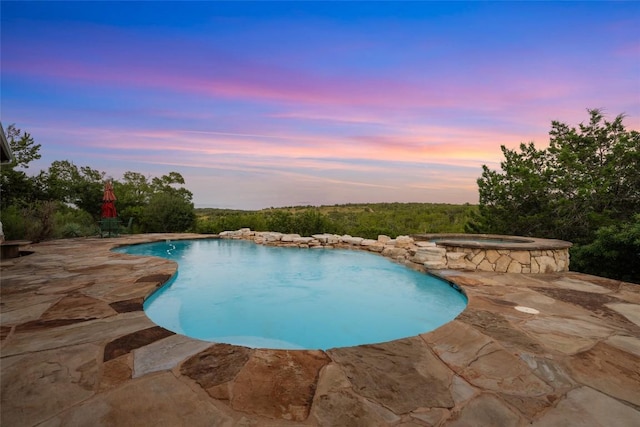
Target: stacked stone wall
(507,260)
(422,255)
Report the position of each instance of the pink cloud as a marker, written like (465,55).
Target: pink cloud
(237,79)
(419,145)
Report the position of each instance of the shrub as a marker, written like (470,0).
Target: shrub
(71,222)
(615,252)
(13,223)
(167,212)
(72,229)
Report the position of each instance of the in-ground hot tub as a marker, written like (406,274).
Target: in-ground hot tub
(492,252)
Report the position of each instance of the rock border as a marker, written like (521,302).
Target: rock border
(518,255)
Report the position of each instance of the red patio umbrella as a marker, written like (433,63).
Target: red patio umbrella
(108,207)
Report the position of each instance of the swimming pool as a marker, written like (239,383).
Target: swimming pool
(240,293)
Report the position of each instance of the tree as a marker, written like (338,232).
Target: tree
(24,148)
(133,193)
(171,184)
(169,207)
(81,187)
(586,179)
(133,190)
(15,186)
(168,212)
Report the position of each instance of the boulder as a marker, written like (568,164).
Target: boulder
(327,239)
(302,240)
(435,265)
(272,237)
(351,240)
(393,252)
(456,260)
(404,241)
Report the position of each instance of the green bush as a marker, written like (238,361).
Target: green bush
(615,252)
(168,212)
(72,229)
(281,221)
(14,224)
(33,221)
(71,222)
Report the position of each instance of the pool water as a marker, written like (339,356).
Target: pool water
(241,293)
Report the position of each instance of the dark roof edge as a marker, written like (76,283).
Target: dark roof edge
(6,156)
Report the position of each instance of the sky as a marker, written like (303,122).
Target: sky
(270,104)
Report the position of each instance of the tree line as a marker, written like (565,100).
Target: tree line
(363,220)
(65,200)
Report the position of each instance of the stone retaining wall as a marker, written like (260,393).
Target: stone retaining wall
(503,260)
(422,255)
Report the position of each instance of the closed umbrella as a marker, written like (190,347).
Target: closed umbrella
(109,223)
(108,199)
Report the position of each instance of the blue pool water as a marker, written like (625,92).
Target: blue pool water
(241,293)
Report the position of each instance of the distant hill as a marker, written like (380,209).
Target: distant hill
(359,219)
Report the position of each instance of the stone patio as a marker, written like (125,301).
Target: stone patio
(77,350)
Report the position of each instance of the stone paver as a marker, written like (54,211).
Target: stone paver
(77,349)
(486,410)
(587,407)
(630,311)
(39,384)
(401,375)
(155,400)
(610,370)
(278,384)
(165,354)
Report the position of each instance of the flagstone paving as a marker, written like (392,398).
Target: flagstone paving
(76,349)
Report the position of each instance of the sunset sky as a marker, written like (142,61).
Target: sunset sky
(261,104)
